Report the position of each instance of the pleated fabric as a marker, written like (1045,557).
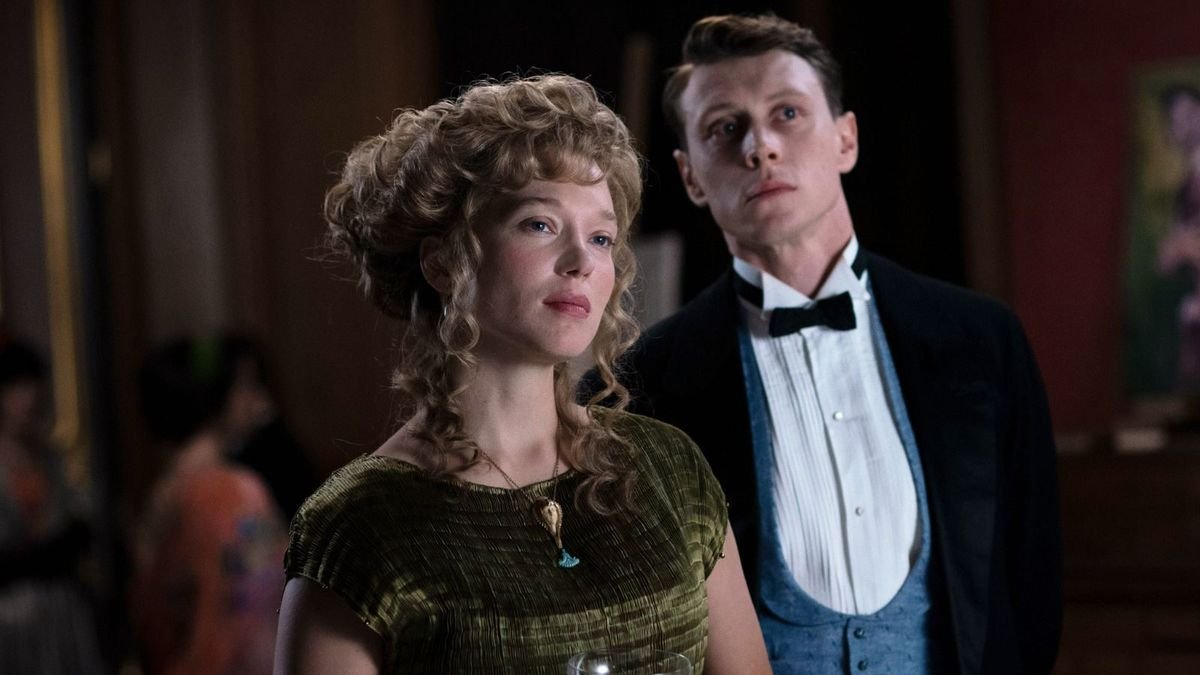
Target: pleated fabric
(463,579)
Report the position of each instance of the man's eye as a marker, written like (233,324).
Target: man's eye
(790,113)
(724,129)
(538,225)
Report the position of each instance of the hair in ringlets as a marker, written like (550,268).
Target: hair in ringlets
(717,38)
(432,175)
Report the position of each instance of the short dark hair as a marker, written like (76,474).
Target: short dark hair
(19,363)
(1173,93)
(185,383)
(716,38)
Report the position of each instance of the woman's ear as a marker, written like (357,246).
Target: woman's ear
(431,265)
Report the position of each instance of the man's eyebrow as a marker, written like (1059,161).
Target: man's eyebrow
(722,106)
(715,108)
(788,92)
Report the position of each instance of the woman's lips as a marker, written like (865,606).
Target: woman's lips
(571,304)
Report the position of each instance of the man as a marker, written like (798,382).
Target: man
(883,438)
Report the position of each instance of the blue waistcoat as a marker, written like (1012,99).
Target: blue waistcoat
(804,636)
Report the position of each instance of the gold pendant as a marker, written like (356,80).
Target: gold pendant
(549,514)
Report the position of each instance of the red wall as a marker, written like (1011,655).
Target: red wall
(1064,70)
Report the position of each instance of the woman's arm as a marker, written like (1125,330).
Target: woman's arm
(735,642)
(318,633)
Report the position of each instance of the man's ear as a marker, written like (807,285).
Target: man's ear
(695,192)
(847,127)
(432,267)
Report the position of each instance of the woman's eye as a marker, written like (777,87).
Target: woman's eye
(603,241)
(790,113)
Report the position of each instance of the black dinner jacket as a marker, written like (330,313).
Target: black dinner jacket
(979,414)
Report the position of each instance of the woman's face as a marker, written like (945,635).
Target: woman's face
(546,273)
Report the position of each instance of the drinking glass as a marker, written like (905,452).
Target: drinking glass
(629,662)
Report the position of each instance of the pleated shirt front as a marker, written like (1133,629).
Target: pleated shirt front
(846,503)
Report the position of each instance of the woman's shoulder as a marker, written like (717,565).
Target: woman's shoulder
(659,449)
(364,487)
(351,516)
(646,433)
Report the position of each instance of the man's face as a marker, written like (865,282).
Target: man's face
(1183,118)
(764,153)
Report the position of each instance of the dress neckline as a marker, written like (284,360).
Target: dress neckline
(408,467)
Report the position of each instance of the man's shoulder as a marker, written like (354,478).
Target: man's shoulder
(713,305)
(925,296)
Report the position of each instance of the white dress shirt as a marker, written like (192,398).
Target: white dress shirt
(845,500)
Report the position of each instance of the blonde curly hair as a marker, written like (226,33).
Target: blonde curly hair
(432,175)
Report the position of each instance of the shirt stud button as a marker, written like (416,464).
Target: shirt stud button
(858,511)
(838,416)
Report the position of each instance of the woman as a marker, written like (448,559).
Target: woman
(206,583)
(46,623)
(504,528)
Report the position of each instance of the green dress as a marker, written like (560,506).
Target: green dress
(463,579)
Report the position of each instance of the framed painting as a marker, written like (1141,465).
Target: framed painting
(1162,270)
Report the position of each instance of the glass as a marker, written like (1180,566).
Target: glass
(629,662)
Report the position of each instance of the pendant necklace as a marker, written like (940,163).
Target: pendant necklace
(546,510)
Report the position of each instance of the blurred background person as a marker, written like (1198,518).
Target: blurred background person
(255,433)
(46,624)
(209,548)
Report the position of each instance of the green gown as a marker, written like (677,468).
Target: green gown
(463,579)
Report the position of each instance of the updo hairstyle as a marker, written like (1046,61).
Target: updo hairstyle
(432,175)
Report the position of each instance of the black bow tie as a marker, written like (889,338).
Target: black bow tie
(836,311)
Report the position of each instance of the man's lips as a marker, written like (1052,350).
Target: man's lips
(571,304)
(768,188)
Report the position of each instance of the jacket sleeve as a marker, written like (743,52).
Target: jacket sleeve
(1034,527)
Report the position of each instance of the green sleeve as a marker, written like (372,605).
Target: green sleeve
(332,544)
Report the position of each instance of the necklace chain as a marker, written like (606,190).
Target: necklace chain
(513,483)
(548,511)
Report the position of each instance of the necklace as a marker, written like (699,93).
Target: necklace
(547,511)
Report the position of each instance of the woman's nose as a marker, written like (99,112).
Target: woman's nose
(575,259)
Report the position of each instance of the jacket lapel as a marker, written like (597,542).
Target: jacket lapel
(953,409)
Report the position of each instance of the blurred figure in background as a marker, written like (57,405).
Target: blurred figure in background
(256,433)
(45,624)
(209,548)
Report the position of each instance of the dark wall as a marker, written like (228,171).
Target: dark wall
(898,63)
(898,69)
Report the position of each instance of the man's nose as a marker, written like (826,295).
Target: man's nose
(760,147)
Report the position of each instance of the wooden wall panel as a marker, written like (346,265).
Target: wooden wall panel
(1131,563)
(300,83)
